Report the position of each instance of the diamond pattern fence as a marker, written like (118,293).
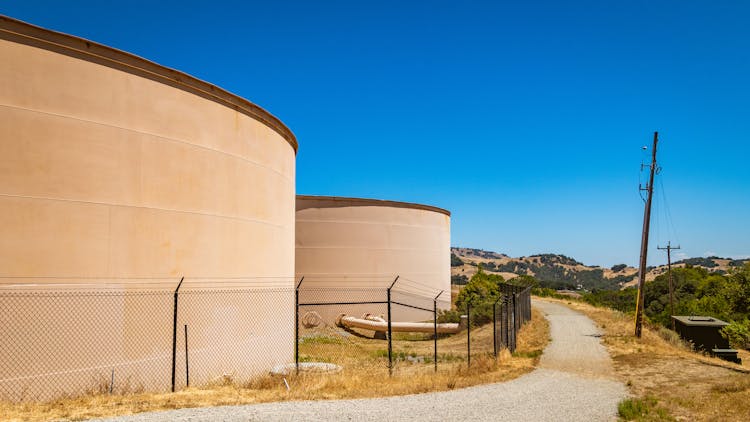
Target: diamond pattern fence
(389,326)
(120,336)
(124,336)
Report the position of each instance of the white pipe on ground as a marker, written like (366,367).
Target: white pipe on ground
(370,322)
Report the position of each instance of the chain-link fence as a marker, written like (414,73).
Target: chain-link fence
(65,339)
(392,325)
(373,324)
(510,312)
(121,336)
(494,325)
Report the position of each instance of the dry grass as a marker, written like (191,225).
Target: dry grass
(662,368)
(363,376)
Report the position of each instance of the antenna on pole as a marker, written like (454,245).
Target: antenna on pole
(669,250)
(644,242)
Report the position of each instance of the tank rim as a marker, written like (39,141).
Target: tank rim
(25,33)
(375,202)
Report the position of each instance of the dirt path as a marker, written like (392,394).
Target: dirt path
(573,383)
(575,345)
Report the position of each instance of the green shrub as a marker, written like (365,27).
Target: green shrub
(738,334)
(481,291)
(547,292)
(642,410)
(449,315)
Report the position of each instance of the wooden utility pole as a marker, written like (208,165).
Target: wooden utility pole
(669,249)
(644,242)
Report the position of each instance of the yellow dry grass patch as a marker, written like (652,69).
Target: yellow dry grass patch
(363,376)
(688,385)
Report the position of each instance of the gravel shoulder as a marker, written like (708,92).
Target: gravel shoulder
(574,382)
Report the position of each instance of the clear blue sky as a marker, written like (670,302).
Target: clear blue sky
(525,119)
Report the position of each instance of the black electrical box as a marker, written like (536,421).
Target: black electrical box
(705,334)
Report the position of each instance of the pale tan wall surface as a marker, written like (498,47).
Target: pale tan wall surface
(109,175)
(346,242)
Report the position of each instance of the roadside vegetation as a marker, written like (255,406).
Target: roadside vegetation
(696,292)
(667,380)
(482,291)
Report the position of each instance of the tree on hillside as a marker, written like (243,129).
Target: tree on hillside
(524,280)
(456,261)
(619,267)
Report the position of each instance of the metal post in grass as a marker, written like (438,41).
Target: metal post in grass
(505,317)
(187,362)
(510,323)
(515,320)
(390,332)
(494,326)
(434,317)
(527,304)
(296,325)
(174,331)
(519,317)
(468,333)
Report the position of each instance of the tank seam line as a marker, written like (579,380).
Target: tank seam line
(80,201)
(364,222)
(369,249)
(200,147)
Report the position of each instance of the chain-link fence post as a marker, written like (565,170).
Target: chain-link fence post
(435,335)
(468,333)
(390,332)
(528,304)
(506,326)
(174,331)
(494,326)
(296,325)
(512,323)
(187,362)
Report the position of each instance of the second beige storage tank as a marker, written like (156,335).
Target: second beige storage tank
(343,242)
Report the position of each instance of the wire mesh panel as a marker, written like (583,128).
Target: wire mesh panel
(524,300)
(232,334)
(349,325)
(500,325)
(413,329)
(481,330)
(343,326)
(56,342)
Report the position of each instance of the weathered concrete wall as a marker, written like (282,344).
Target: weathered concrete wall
(112,168)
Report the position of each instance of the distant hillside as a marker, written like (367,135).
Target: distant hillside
(562,272)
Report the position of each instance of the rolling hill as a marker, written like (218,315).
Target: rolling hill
(562,272)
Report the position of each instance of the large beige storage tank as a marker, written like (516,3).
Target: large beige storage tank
(114,169)
(355,243)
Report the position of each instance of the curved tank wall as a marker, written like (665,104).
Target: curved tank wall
(114,168)
(359,243)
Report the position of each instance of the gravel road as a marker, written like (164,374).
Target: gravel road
(573,383)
